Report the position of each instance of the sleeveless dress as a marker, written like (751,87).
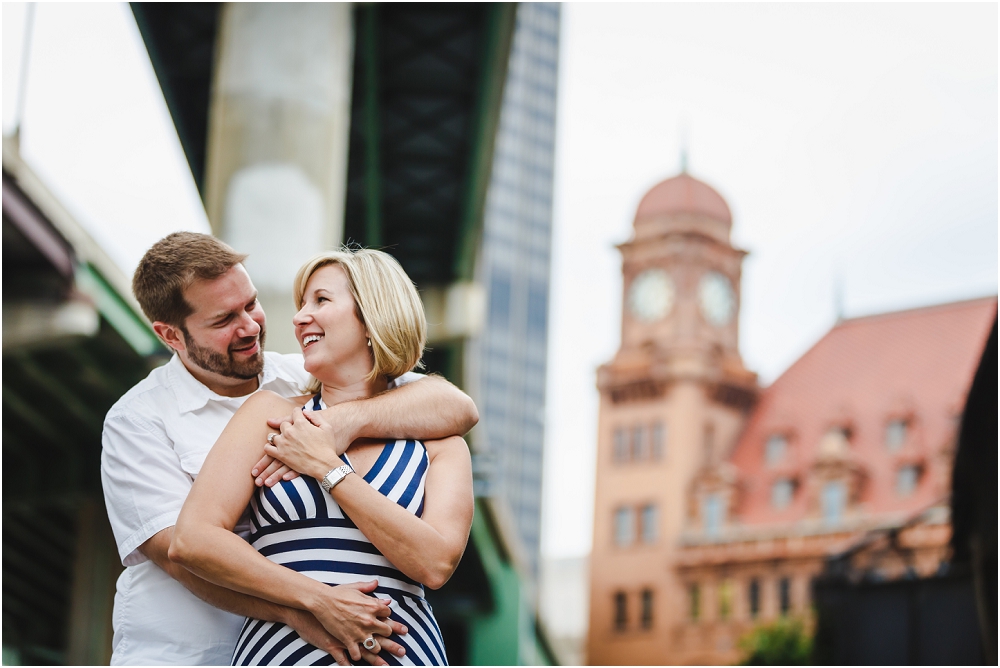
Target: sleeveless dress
(298,525)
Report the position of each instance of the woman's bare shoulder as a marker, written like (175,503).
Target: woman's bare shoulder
(450,446)
(271,403)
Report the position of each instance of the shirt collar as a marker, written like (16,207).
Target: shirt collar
(192,394)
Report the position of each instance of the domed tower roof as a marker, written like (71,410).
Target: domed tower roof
(684,194)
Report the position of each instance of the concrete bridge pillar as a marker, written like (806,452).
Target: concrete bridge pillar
(276,171)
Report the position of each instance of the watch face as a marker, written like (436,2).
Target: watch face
(651,295)
(716,297)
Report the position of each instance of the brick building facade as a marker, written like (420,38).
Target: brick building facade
(718,501)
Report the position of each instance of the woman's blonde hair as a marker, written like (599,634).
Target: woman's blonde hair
(386,302)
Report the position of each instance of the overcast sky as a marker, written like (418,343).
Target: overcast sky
(855,144)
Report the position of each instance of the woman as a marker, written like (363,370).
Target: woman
(399,511)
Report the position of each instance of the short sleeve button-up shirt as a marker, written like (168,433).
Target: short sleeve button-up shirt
(155,439)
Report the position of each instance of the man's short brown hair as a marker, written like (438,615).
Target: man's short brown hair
(171,265)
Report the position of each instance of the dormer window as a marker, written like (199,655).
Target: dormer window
(835,442)
(774,449)
(781,493)
(895,434)
(713,514)
(833,500)
(907,478)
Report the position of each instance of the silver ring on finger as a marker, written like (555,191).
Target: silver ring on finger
(270,438)
(370,644)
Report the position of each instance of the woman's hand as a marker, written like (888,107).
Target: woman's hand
(269,471)
(307,444)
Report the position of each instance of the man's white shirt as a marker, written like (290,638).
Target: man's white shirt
(156,438)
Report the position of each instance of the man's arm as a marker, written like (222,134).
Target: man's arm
(425,410)
(428,409)
(245,605)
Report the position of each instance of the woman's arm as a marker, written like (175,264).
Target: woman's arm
(429,408)
(205,544)
(426,548)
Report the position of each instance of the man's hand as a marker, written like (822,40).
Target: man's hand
(310,630)
(348,613)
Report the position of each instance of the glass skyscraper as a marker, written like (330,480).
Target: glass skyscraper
(509,357)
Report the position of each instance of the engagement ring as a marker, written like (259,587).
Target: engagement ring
(369,643)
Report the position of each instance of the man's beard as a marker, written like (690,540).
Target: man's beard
(227,365)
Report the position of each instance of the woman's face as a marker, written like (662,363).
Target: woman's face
(328,328)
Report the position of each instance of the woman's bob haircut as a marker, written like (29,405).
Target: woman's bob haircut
(386,302)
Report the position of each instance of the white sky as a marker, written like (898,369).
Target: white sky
(855,144)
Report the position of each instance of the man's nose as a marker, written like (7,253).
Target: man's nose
(248,326)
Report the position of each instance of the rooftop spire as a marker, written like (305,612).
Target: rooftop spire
(684,148)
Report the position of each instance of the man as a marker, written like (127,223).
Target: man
(196,292)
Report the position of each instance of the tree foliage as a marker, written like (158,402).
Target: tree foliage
(782,643)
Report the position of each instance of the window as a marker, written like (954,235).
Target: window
(895,434)
(621,611)
(754,598)
(906,480)
(785,595)
(647,608)
(774,449)
(638,444)
(659,439)
(713,514)
(500,298)
(725,600)
(781,493)
(538,303)
(694,592)
(835,442)
(648,521)
(833,498)
(621,445)
(624,527)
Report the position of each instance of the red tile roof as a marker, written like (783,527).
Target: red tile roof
(916,365)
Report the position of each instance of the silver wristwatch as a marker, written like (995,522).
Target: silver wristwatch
(333,478)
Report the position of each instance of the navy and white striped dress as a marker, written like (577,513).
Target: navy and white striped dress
(298,525)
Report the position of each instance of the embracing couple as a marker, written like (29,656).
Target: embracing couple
(284,509)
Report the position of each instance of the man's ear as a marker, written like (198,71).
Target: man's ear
(171,335)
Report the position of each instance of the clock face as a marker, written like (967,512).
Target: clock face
(651,295)
(716,297)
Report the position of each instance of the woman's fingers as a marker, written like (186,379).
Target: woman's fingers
(397,628)
(282,473)
(266,477)
(373,659)
(340,656)
(391,646)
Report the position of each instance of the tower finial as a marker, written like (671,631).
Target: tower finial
(684,147)
(838,297)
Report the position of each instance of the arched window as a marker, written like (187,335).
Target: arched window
(833,499)
(713,514)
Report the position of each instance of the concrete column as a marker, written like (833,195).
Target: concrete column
(276,172)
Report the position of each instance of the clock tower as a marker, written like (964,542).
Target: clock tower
(672,401)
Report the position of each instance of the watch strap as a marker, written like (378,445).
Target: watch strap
(334,477)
